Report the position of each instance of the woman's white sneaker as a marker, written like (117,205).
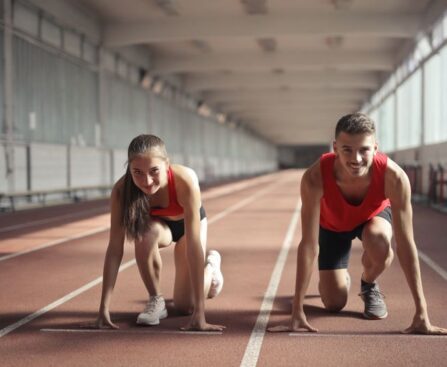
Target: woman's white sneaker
(154,311)
(217,279)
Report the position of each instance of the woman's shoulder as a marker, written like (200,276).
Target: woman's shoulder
(117,188)
(184,174)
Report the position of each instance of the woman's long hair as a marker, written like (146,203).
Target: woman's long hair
(135,203)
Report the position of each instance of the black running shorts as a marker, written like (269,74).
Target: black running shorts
(335,247)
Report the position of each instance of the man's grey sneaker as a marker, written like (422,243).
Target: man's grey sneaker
(375,307)
(154,311)
(217,279)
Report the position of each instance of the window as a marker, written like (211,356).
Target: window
(409,112)
(386,125)
(432,99)
(26,19)
(51,33)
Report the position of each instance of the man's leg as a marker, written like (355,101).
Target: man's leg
(334,288)
(377,256)
(333,261)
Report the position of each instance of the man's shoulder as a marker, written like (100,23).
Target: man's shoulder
(393,171)
(396,179)
(312,177)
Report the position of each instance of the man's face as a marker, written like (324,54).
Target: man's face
(355,152)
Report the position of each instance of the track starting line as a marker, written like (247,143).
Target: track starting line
(130,331)
(365,335)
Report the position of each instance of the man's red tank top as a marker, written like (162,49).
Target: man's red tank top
(336,214)
(174,207)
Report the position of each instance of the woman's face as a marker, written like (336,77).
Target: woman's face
(149,172)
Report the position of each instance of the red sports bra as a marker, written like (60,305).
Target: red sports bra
(336,214)
(174,207)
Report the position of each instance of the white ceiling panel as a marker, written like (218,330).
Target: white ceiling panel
(266,62)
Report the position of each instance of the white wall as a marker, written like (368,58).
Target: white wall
(48,166)
(89,166)
(119,164)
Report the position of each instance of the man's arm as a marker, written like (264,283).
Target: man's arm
(398,190)
(311,192)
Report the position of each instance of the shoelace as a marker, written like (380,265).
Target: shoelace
(151,305)
(372,293)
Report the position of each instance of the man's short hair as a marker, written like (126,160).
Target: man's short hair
(355,123)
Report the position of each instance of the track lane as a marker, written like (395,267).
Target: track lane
(249,240)
(347,338)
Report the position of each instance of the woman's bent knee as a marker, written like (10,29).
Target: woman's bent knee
(151,236)
(184,308)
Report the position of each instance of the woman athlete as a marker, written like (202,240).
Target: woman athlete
(156,204)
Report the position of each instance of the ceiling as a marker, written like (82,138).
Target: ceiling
(287,69)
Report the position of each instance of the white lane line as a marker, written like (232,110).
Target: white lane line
(75,293)
(130,331)
(54,243)
(212,195)
(432,265)
(253,349)
(239,205)
(58,302)
(360,335)
(238,186)
(49,220)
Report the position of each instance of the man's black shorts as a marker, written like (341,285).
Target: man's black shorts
(335,247)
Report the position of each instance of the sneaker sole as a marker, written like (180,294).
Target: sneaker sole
(215,291)
(155,322)
(374,317)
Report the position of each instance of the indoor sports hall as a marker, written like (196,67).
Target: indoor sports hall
(246,96)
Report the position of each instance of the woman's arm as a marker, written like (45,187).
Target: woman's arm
(189,198)
(112,260)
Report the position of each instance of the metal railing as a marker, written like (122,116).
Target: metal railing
(438,184)
(8,201)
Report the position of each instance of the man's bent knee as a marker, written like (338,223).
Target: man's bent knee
(334,305)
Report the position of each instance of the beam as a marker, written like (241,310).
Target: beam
(287,116)
(295,122)
(177,29)
(292,60)
(290,108)
(309,105)
(299,136)
(312,80)
(286,96)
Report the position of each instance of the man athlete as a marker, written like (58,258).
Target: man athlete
(356,192)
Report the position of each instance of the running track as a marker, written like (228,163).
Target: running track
(47,254)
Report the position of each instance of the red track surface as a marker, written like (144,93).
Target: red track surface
(249,239)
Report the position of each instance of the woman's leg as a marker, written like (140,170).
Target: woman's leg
(183,293)
(147,255)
